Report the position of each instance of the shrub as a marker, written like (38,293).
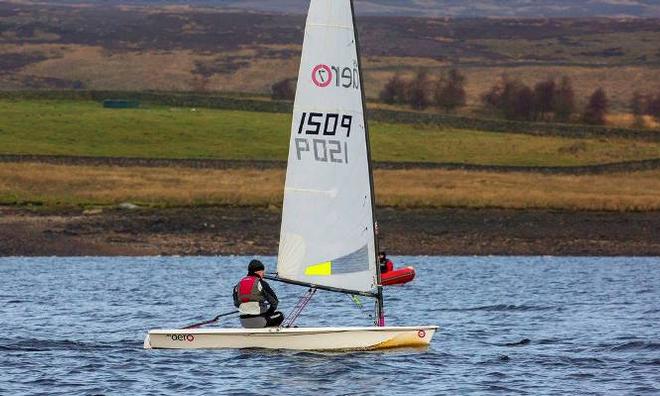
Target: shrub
(653,107)
(394,91)
(511,98)
(418,95)
(544,98)
(284,89)
(637,108)
(564,100)
(449,91)
(596,109)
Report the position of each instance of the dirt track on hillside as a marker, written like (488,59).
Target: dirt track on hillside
(246,231)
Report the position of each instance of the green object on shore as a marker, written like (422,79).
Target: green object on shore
(121,104)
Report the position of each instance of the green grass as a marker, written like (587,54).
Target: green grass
(85,128)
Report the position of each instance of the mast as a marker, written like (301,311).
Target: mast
(379,314)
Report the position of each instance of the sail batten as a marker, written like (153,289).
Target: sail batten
(327,233)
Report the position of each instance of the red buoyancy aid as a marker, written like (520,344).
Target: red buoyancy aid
(248,290)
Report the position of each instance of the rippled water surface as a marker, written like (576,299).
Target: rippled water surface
(527,325)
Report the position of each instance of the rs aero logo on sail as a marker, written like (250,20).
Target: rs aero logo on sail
(336,76)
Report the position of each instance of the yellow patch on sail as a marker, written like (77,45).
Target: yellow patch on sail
(320,269)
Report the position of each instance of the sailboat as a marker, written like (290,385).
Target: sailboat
(327,236)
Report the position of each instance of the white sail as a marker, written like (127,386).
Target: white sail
(327,235)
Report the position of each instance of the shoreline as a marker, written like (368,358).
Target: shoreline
(211,231)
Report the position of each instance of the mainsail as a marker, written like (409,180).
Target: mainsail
(327,234)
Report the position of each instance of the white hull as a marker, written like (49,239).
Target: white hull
(312,338)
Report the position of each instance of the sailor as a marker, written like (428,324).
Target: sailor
(255,300)
(386,265)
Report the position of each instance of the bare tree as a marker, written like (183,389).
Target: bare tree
(564,100)
(418,92)
(544,98)
(284,89)
(493,97)
(522,104)
(638,108)
(394,91)
(596,109)
(449,92)
(653,106)
(512,98)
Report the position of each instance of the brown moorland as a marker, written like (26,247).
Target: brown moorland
(207,49)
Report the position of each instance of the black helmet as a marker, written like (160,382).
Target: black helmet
(254,266)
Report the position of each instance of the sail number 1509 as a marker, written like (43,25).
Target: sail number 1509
(326,124)
(323,145)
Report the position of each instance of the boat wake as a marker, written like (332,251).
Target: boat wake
(650,362)
(39,345)
(523,342)
(499,308)
(636,346)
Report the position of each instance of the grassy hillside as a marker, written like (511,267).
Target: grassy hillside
(52,186)
(85,128)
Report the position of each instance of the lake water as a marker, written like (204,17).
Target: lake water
(512,325)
